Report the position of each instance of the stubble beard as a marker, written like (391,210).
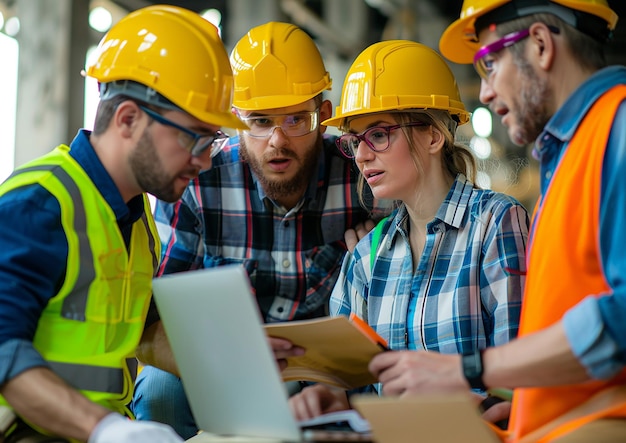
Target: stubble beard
(531,111)
(149,173)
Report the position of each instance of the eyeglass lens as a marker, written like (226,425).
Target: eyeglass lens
(376,138)
(215,142)
(292,125)
(191,141)
(486,56)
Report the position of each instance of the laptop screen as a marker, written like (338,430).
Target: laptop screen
(227,367)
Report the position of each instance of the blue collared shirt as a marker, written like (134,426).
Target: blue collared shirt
(596,327)
(34,252)
(465,292)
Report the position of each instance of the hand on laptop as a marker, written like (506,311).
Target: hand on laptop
(316,400)
(282,349)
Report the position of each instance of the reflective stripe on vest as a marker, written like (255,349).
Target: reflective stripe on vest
(75,304)
(94,378)
(151,242)
(90,378)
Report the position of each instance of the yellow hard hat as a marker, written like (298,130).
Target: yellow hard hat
(459,41)
(170,57)
(398,75)
(277,65)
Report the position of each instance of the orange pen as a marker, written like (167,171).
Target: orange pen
(369,332)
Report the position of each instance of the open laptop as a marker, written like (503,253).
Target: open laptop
(234,386)
(227,367)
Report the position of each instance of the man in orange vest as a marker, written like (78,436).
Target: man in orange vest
(543,71)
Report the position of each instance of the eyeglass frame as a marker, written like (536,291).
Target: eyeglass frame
(502,43)
(363,138)
(314,115)
(217,140)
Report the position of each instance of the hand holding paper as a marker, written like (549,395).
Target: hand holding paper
(337,350)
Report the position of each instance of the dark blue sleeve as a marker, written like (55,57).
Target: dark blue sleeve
(613,232)
(33,256)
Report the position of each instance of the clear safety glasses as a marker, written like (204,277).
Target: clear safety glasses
(191,141)
(376,138)
(292,125)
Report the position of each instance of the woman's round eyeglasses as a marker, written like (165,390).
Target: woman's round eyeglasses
(376,138)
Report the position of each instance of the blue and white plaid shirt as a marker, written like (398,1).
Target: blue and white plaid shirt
(465,293)
(293,257)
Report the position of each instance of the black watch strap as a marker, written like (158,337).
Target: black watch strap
(473,369)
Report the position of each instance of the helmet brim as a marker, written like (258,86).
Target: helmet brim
(340,121)
(223,120)
(459,42)
(272,102)
(456,44)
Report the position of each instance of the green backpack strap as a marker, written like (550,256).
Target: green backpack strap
(378,229)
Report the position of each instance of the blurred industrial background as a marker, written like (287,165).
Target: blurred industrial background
(44,45)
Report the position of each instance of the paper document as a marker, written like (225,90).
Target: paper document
(338,350)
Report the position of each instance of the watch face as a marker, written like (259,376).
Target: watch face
(473,370)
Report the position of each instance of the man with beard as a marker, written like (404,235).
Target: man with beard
(277,200)
(543,71)
(79,244)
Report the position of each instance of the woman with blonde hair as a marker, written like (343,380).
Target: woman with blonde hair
(445,271)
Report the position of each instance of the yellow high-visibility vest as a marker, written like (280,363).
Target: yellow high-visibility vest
(90,329)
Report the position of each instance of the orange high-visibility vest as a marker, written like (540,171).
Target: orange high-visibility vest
(565,266)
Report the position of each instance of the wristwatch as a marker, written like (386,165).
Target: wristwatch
(473,369)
